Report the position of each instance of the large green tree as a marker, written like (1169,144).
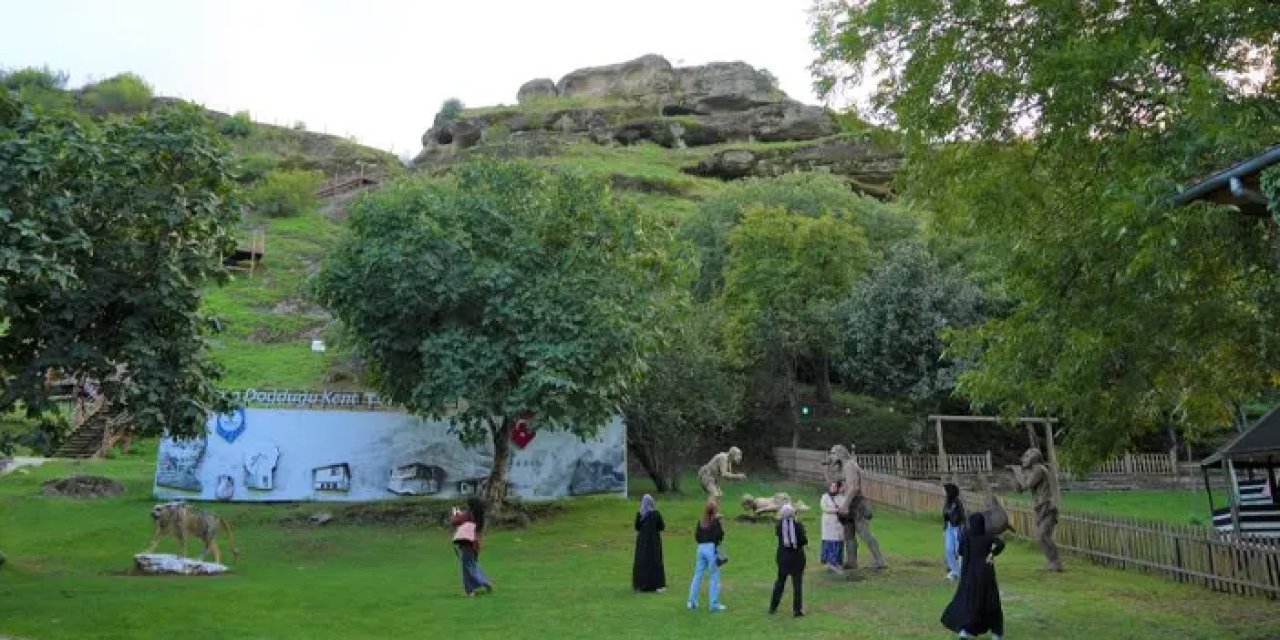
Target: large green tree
(500,291)
(786,274)
(690,395)
(892,324)
(1053,132)
(810,194)
(107,236)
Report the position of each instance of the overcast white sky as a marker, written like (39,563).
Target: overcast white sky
(379,69)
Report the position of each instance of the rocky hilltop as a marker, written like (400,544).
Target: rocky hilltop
(735,112)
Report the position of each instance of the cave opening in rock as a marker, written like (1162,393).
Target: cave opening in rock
(678,110)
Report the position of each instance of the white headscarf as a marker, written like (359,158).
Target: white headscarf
(788,526)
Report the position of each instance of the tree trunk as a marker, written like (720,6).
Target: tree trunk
(650,467)
(822,378)
(495,495)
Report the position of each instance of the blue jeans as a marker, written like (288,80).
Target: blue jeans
(473,577)
(951,545)
(705,561)
(833,552)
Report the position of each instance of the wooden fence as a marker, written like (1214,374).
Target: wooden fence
(1182,553)
(1144,464)
(931,466)
(907,465)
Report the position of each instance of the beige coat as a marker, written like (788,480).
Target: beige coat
(831,527)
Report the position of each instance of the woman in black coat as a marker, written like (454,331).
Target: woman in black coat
(791,561)
(648,572)
(975,609)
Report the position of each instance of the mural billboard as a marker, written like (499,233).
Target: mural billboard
(274,455)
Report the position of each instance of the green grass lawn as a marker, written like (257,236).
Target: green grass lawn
(1177,506)
(566,578)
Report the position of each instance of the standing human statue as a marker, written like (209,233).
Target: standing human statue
(1034,476)
(855,510)
(720,466)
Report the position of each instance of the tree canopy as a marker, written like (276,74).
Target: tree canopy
(1054,132)
(786,274)
(892,324)
(690,395)
(502,291)
(107,236)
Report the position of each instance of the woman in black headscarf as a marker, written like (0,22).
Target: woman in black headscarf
(647,571)
(975,609)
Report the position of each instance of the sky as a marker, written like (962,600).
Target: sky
(379,69)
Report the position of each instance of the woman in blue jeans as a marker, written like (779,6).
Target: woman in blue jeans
(953,518)
(709,535)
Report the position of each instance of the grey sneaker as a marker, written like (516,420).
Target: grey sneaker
(718,607)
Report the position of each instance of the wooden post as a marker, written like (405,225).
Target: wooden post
(898,467)
(989,464)
(1234,492)
(942,450)
(1173,460)
(1053,463)
(1128,463)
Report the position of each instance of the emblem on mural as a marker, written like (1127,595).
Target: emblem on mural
(231,425)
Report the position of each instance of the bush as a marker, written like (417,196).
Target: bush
(254,167)
(42,78)
(451,109)
(237,126)
(123,94)
(299,125)
(286,193)
(39,87)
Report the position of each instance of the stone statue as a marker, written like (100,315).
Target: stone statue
(763,506)
(1035,477)
(720,466)
(856,510)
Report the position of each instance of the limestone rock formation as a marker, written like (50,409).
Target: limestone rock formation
(866,167)
(724,86)
(641,80)
(537,88)
(649,100)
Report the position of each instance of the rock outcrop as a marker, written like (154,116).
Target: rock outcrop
(645,99)
(649,100)
(534,89)
(868,168)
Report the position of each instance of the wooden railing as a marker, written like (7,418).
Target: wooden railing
(1143,464)
(1183,553)
(908,465)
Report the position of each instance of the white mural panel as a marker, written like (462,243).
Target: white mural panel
(273,455)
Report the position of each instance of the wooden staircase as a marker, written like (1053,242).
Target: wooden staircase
(85,442)
(99,431)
